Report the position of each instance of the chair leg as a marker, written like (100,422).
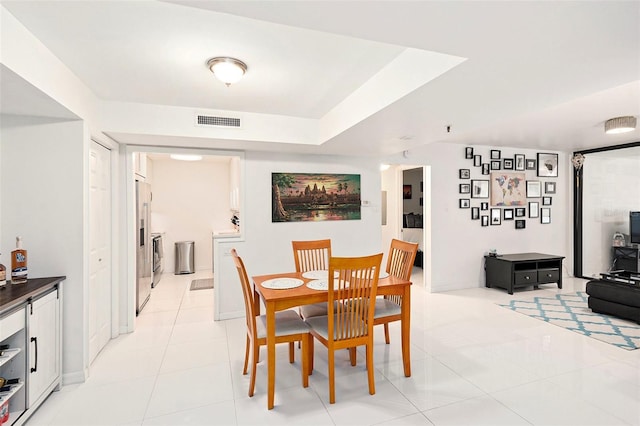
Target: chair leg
(305,359)
(352,356)
(332,377)
(386,332)
(254,368)
(246,355)
(311,353)
(372,384)
(291,353)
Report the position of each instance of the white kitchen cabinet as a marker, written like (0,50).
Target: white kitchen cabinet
(31,339)
(140,165)
(44,355)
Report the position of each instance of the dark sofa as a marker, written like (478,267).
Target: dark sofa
(612,298)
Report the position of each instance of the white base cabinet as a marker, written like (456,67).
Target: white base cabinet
(43,366)
(31,352)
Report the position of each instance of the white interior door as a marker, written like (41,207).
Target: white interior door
(100,245)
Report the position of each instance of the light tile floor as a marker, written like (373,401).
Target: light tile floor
(473,363)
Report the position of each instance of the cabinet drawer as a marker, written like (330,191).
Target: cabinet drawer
(524,277)
(11,324)
(548,275)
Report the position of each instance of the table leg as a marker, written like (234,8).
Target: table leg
(271,354)
(406,330)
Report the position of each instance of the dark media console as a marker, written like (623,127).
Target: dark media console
(626,258)
(510,271)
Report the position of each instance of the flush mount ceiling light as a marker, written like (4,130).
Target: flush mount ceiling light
(227,70)
(620,125)
(186,157)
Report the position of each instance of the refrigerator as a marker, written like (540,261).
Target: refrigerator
(144,248)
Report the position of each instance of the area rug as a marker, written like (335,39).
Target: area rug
(570,311)
(201,284)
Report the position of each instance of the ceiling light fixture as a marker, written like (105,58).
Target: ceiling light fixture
(186,157)
(227,70)
(620,125)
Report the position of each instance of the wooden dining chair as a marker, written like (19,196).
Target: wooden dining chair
(346,326)
(312,256)
(290,328)
(400,259)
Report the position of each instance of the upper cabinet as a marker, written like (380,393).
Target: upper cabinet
(140,165)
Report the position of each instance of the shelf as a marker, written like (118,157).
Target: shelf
(8,355)
(8,394)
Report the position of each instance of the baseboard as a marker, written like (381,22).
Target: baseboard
(74,378)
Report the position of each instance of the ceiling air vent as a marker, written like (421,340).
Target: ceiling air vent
(210,120)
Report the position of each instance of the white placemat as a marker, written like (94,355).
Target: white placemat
(321,274)
(282,283)
(383,274)
(322,284)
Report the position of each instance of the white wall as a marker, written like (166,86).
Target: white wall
(266,246)
(190,200)
(459,244)
(42,187)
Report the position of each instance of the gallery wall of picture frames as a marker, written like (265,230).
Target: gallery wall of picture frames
(500,190)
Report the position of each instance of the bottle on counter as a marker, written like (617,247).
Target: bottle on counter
(19,263)
(3,276)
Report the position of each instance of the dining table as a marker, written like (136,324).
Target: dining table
(278,299)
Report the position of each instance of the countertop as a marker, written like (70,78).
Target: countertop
(225,233)
(13,295)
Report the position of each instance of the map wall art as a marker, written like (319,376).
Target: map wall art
(312,197)
(508,189)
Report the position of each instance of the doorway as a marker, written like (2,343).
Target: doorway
(407,189)
(190,200)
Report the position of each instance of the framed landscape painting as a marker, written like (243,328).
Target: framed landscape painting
(314,197)
(508,189)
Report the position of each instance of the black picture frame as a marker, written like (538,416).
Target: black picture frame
(531,164)
(465,188)
(507,163)
(468,153)
(485,220)
(521,224)
(519,162)
(534,209)
(485,168)
(549,187)
(507,214)
(534,189)
(420,200)
(545,215)
(406,192)
(475,213)
(479,188)
(463,174)
(464,203)
(547,164)
(521,212)
(496,216)
(484,206)
(546,201)
(495,164)
(477,160)
(495,154)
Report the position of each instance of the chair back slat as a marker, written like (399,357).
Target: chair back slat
(311,255)
(247,292)
(402,255)
(355,286)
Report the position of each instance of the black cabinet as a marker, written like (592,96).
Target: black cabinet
(626,258)
(511,271)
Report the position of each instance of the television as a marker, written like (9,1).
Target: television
(634,227)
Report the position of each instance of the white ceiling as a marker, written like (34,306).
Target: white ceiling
(533,74)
